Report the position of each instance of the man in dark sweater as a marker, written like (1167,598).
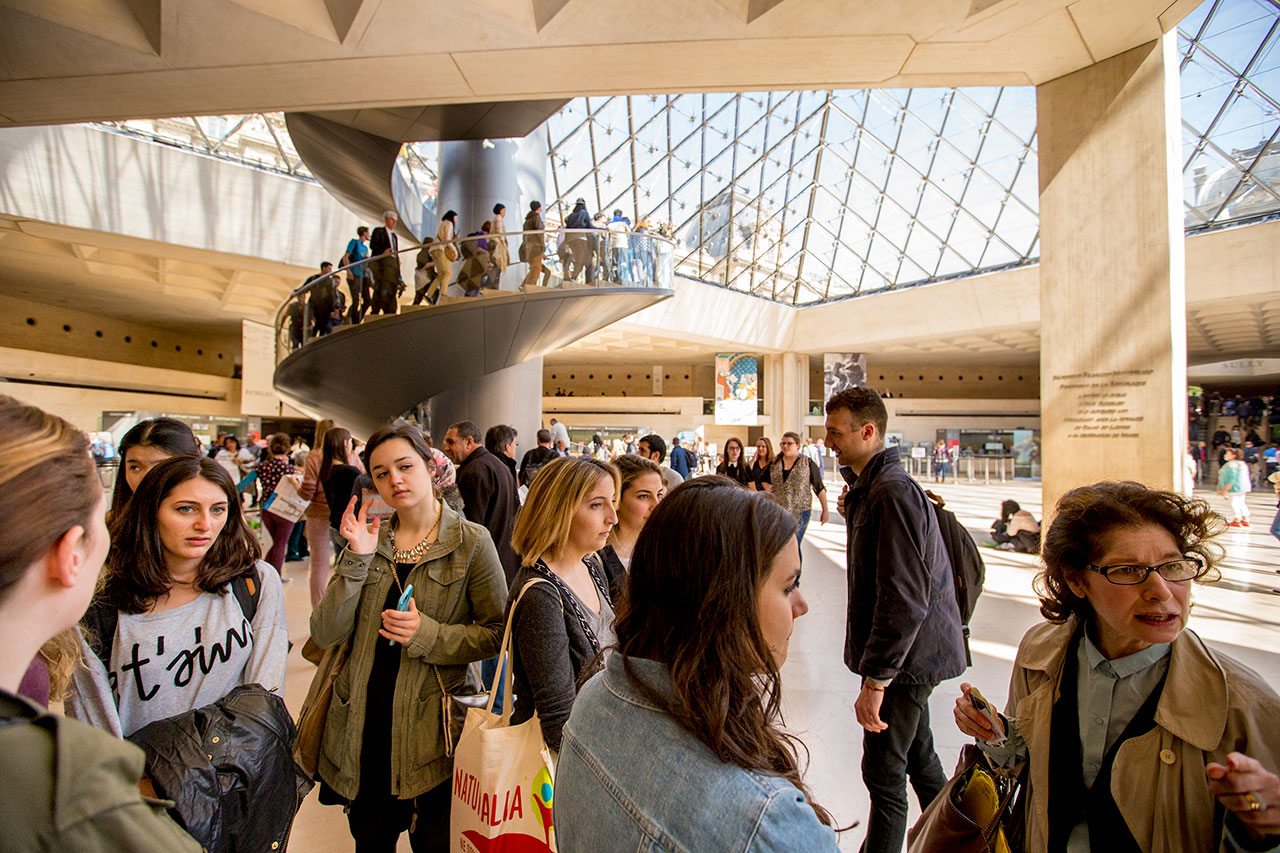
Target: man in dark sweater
(488,489)
(537,457)
(903,634)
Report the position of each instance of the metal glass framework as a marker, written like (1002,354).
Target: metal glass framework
(805,197)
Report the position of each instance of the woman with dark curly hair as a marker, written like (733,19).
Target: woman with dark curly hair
(1137,735)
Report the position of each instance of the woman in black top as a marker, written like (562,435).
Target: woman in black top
(734,465)
(759,468)
(566,619)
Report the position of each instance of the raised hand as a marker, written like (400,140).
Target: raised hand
(361,535)
(1250,791)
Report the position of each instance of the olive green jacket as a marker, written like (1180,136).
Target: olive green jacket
(461,592)
(67,786)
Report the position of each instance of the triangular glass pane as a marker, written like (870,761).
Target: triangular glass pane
(1208,181)
(1235,31)
(1251,199)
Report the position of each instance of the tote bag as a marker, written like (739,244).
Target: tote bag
(503,778)
(285,501)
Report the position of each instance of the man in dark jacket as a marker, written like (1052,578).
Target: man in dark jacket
(384,243)
(683,462)
(903,634)
(488,489)
(536,458)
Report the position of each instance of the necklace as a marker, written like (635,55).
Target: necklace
(414,554)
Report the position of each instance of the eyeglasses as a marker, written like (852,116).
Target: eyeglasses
(1174,571)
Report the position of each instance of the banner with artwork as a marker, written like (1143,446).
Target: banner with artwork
(737,386)
(842,371)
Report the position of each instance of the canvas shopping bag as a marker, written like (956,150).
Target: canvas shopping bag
(503,787)
(285,501)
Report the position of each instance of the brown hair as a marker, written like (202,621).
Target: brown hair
(322,427)
(742,449)
(136,571)
(48,485)
(1087,514)
(632,465)
(768,447)
(334,453)
(546,518)
(418,440)
(278,443)
(168,434)
(864,407)
(692,604)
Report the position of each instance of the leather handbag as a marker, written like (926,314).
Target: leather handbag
(978,811)
(453,711)
(315,710)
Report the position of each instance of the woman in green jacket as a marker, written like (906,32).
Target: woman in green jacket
(64,786)
(384,748)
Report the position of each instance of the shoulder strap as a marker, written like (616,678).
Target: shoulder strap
(99,623)
(248,589)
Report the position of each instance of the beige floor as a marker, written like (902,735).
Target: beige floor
(1240,615)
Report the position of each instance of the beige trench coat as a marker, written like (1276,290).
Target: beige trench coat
(1211,705)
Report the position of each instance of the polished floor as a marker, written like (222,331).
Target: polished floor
(1239,615)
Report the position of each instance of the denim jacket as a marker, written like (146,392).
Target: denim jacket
(630,778)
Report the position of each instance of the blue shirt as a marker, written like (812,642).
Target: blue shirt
(357,251)
(630,778)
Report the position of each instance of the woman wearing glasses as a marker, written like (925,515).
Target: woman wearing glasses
(1137,735)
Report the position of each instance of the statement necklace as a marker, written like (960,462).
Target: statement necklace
(414,554)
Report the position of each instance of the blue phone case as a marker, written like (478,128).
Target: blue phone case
(403,604)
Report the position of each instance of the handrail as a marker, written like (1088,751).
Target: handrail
(626,258)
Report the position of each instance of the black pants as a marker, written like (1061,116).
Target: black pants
(356,287)
(376,823)
(903,750)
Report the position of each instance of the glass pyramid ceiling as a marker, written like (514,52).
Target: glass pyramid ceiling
(805,197)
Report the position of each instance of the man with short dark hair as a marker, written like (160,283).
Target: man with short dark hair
(683,462)
(322,298)
(500,440)
(652,446)
(487,487)
(903,633)
(537,457)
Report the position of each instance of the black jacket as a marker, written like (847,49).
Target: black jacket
(552,653)
(533,462)
(488,490)
(380,241)
(903,622)
(229,769)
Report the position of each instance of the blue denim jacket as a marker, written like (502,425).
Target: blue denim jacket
(630,778)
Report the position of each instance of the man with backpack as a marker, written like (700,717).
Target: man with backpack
(903,634)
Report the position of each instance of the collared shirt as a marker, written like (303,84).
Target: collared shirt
(1109,693)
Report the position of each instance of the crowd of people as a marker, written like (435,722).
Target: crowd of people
(650,658)
(368,282)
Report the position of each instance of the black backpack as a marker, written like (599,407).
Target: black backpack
(100,620)
(967,567)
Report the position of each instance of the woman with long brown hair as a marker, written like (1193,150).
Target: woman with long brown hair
(182,562)
(332,448)
(759,468)
(690,701)
(734,465)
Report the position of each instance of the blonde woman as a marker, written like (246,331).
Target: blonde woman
(561,626)
(443,253)
(498,249)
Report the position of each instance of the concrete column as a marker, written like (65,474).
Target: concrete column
(477,174)
(786,390)
(512,396)
(474,175)
(1112,290)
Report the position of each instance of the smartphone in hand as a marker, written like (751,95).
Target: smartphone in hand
(984,708)
(403,604)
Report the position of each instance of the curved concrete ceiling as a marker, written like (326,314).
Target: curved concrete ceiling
(363,375)
(115,59)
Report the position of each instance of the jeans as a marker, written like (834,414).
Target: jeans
(321,547)
(376,824)
(280,529)
(1275,525)
(802,524)
(903,750)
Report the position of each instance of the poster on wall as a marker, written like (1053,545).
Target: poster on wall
(257,393)
(842,371)
(737,387)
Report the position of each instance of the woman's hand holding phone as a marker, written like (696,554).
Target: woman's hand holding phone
(977,718)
